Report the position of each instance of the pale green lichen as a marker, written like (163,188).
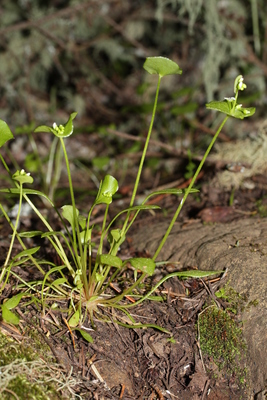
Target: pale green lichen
(26,375)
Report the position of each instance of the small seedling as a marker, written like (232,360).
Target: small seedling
(81,278)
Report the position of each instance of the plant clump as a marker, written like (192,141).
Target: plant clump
(83,278)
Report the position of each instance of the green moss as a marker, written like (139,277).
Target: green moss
(237,302)
(222,342)
(30,391)
(262,207)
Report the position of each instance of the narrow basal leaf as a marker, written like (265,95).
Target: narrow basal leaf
(169,191)
(26,191)
(5,133)
(27,252)
(30,234)
(85,335)
(59,281)
(197,273)
(161,66)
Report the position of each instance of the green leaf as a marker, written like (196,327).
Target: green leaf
(53,233)
(86,236)
(30,234)
(59,281)
(13,302)
(26,191)
(108,187)
(22,177)
(85,335)
(107,259)
(68,127)
(61,131)
(82,221)
(9,317)
(5,133)
(43,128)
(195,273)
(161,66)
(227,107)
(170,191)
(146,265)
(74,320)
(68,214)
(27,252)
(116,236)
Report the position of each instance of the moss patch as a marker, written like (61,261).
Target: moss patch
(221,341)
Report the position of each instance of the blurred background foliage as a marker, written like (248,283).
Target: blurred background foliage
(61,56)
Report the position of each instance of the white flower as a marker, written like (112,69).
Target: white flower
(241,85)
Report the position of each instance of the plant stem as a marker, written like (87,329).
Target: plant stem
(61,251)
(143,155)
(22,245)
(71,192)
(15,227)
(188,190)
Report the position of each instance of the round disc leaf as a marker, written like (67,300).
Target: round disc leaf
(161,66)
(5,133)
(107,189)
(227,108)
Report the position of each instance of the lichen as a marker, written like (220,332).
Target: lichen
(26,375)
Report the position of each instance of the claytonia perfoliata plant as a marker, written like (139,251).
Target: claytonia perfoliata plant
(82,278)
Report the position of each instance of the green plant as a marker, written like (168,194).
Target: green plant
(87,280)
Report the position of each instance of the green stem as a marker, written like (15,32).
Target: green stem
(143,155)
(15,228)
(61,252)
(22,245)
(71,193)
(188,190)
